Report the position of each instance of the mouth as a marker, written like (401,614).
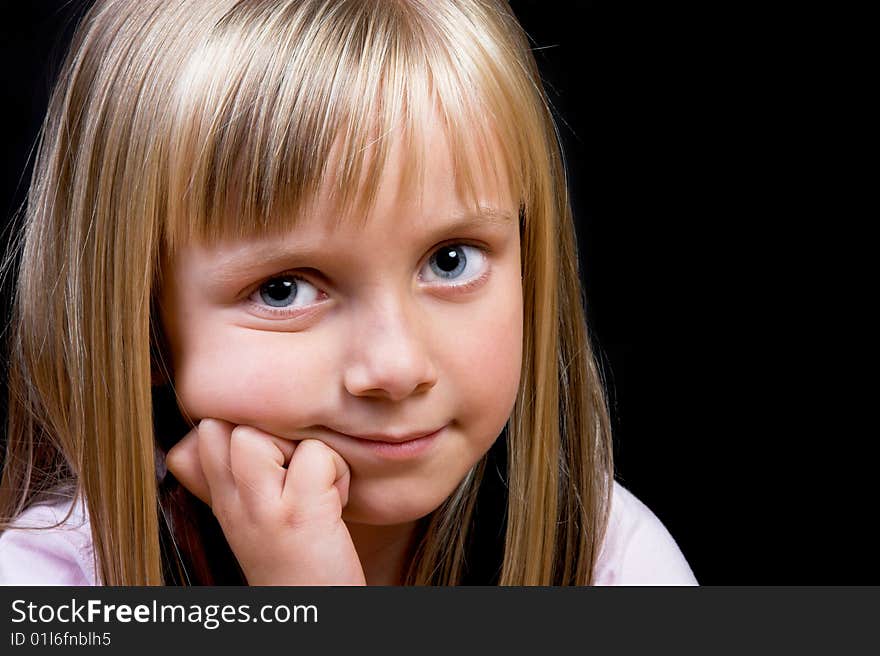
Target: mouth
(392,438)
(394,447)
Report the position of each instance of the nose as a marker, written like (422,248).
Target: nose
(390,357)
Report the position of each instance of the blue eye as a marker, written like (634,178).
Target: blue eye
(450,262)
(278,292)
(285,292)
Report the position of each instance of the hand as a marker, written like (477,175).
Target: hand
(278,502)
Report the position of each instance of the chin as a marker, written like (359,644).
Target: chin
(390,507)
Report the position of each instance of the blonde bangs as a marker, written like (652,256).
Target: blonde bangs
(259,128)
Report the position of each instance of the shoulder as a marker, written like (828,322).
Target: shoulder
(638,550)
(46,546)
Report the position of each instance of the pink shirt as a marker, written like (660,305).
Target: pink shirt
(56,556)
(638,550)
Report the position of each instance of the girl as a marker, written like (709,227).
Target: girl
(299,304)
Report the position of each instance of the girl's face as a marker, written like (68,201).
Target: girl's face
(410,324)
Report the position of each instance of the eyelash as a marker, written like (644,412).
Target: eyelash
(288,313)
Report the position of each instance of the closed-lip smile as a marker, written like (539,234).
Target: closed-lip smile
(392,439)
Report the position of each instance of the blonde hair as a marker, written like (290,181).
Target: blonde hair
(177,120)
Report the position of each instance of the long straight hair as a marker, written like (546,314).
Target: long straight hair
(175,121)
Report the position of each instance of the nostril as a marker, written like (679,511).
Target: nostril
(422,388)
(390,391)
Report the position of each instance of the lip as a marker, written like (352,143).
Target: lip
(402,449)
(393,439)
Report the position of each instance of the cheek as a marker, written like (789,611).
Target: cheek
(250,377)
(488,362)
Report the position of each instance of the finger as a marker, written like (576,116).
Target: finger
(184,462)
(314,471)
(287,447)
(258,462)
(214,437)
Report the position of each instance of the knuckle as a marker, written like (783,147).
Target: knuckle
(243,432)
(211,427)
(314,447)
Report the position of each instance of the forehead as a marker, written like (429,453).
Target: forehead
(415,183)
(403,210)
(418,175)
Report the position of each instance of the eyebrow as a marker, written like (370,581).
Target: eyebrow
(270,256)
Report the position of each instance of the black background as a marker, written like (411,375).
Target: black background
(676,186)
